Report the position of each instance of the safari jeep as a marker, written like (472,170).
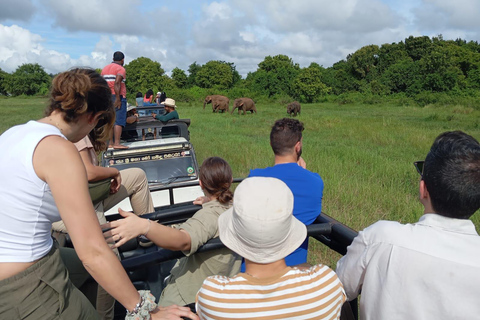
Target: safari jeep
(164,152)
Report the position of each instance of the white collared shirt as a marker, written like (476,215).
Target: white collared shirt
(426,270)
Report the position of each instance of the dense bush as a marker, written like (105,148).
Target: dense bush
(29,79)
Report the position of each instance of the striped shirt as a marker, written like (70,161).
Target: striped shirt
(314,293)
(110,72)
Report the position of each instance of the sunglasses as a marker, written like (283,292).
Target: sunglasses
(419,166)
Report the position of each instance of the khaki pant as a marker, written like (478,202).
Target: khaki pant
(104,302)
(43,291)
(135,186)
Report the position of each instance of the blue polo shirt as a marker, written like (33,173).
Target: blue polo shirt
(307,189)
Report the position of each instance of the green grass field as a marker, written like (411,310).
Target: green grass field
(364,153)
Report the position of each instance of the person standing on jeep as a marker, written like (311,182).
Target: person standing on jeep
(115,75)
(170,114)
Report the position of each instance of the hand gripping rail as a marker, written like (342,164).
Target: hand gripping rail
(163,255)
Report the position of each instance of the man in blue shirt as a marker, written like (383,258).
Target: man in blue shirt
(306,186)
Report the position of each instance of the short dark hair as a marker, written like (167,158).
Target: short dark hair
(452,175)
(285,134)
(118,56)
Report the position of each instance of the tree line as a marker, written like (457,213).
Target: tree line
(415,68)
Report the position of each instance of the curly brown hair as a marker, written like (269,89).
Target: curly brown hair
(79,91)
(216,177)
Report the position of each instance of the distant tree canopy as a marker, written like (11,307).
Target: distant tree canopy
(3,76)
(29,79)
(274,76)
(143,74)
(410,67)
(180,78)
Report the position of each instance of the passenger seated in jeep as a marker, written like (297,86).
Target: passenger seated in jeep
(170,112)
(132,117)
(189,273)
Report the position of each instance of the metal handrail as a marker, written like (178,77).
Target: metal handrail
(162,255)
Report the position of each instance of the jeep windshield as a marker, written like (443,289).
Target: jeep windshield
(160,167)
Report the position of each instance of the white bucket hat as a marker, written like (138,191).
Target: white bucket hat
(130,107)
(260,226)
(169,102)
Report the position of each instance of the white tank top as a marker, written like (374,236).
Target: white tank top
(27,207)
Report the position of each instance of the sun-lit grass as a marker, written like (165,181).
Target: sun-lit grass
(364,153)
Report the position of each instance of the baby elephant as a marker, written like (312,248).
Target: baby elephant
(293,107)
(245,104)
(219,103)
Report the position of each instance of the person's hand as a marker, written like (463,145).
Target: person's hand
(173,312)
(302,163)
(118,103)
(154,115)
(116,183)
(122,230)
(200,200)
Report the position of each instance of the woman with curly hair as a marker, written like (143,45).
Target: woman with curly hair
(43,180)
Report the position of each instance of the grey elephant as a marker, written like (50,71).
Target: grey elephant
(245,104)
(293,108)
(219,102)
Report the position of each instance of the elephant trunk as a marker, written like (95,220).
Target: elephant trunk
(204,102)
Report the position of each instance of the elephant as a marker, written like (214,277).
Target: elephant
(293,107)
(219,103)
(245,104)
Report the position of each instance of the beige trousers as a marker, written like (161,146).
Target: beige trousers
(134,186)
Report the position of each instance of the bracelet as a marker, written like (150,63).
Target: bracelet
(143,307)
(149,223)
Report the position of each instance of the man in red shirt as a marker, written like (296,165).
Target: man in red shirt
(115,75)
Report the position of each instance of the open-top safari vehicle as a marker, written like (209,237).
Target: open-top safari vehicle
(164,152)
(148,267)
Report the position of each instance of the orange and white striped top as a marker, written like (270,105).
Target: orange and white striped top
(314,293)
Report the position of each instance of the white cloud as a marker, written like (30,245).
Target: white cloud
(16,44)
(244,32)
(20,46)
(20,10)
(440,16)
(96,15)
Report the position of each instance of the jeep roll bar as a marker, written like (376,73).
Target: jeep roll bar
(325,229)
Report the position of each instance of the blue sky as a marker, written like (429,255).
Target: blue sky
(60,34)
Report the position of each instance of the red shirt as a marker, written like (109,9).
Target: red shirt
(110,73)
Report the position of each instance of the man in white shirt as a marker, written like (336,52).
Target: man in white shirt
(429,269)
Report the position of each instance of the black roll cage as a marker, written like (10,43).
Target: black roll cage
(325,229)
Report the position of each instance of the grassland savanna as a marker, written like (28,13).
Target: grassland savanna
(364,153)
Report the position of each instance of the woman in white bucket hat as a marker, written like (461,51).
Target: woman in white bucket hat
(261,228)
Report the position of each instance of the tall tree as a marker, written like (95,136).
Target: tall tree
(179,77)
(418,47)
(3,76)
(143,74)
(307,86)
(28,79)
(275,75)
(215,74)
(364,61)
(192,74)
